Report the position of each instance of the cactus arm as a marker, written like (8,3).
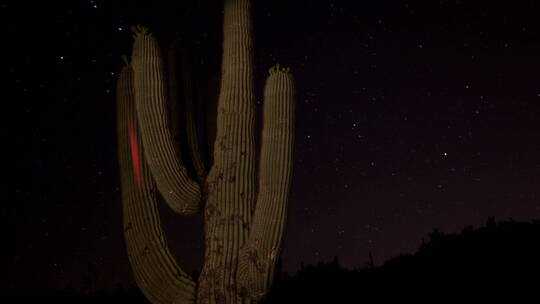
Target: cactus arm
(191,129)
(172,101)
(187,90)
(160,279)
(180,192)
(211,95)
(258,257)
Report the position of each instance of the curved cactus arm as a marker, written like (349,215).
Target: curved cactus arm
(159,277)
(180,192)
(258,256)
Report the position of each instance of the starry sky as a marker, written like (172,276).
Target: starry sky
(410,117)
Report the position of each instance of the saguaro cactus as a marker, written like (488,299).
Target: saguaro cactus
(244,221)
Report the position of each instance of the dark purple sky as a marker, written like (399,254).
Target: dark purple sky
(409,118)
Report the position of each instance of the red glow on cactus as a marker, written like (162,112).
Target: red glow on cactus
(135,157)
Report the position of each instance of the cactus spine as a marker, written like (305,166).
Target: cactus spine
(244,221)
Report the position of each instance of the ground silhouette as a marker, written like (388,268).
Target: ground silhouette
(499,260)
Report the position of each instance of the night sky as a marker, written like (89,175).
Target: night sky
(409,117)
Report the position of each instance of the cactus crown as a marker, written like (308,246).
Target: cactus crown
(140,31)
(125,60)
(279,69)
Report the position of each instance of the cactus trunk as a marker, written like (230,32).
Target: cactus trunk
(244,221)
(231,181)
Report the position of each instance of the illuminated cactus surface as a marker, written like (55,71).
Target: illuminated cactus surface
(243,220)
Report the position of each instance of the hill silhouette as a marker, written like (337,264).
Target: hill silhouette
(501,259)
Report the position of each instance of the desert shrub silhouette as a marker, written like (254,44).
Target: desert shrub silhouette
(499,259)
